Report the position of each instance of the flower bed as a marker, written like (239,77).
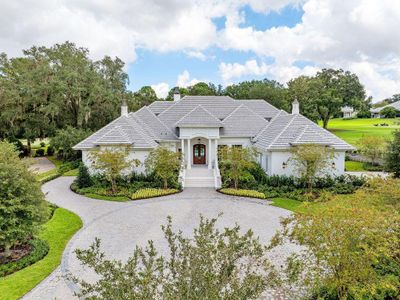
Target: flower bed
(150,193)
(242,193)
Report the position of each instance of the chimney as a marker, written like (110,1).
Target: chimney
(295,107)
(124,109)
(177,95)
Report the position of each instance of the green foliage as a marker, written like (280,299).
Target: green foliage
(242,193)
(50,150)
(311,159)
(144,96)
(164,163)
(83,180)
(350,249)
(150,193)
(111,163)
(389,112)
(22,205)
(65,139)
(212,264)
(372,147)
(39,152)
(56,233)
(235,163)
(392,158)
(39,250)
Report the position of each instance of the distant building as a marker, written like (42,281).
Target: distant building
(348,112)
(376,112)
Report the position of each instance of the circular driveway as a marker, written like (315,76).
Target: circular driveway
(123,225)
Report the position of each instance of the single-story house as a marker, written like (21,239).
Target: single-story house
(197,126)
(376,112)
(348,112)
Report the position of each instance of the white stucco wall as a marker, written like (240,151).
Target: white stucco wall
(277,158)
(245,142)
(193,132)
(139,154)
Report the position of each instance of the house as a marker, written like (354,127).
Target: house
(376,112)
(348,112)
(198,126)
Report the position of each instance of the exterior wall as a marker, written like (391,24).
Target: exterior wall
(245,142)
(141,155)
(206,132)
(278,158)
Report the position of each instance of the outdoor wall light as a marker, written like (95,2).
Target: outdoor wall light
(333,165)
(284,165)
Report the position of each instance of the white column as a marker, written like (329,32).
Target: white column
(216,152)
(189,154)
(183,150)
(209,154)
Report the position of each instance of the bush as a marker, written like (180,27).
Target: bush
(42,144)
(392,158)
(68,166)
(83,179)
(39,250)
(18,146)
(150,193)
(389,112)
(39,152)
(22,205)
(242,193)
(50,150)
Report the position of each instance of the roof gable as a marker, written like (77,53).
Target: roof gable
(199,117)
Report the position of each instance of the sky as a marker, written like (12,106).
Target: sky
(165,43)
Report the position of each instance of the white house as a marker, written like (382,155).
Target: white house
(198,125)
(376,112)
(348,112)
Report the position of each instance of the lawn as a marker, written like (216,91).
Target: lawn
(57,232)
(288,204)
(354,166)
(352,130)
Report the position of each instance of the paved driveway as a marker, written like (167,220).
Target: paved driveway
(121,226)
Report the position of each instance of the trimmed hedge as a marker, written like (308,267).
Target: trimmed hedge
(242,193)
(150,193)
(39,250)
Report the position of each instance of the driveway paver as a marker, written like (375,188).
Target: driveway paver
(123,225)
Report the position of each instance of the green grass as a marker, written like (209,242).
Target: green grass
(352,130)
(57,232)
(288,204)
(42,176)
(57,162)
(73,172)
(354,166)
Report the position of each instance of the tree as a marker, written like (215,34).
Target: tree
(327,92)
(202,89)
(389,112)
(145,96)
(311,160)
(372,147)
(164,163)
(111,163)
(349,250)
(392,157)
(65,139)
(235,163)
(212,264)
(182,91)
(83,179)
(22,205)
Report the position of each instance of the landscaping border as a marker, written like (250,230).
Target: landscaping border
(254,197)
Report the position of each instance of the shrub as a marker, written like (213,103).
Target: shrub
(242,193)
(39,152)
(210,264)
(39,250)
(150,193)
(389,112)
(68,166)
(392,158)
(19,147)
(50,150)
(22,204)
(42,144)
(83,179)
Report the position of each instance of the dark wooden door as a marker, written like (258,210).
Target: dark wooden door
(199,154)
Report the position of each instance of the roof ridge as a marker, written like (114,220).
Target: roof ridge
(161,122)
(301,134)
(246,107)
(268,124)
(139,129)
(282,131)
(197,107)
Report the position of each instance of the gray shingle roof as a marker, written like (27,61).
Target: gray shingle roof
(243,122)
(395,105)
(199,117)
(286,130)
(236,118)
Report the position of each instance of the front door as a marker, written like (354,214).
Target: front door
(199,154)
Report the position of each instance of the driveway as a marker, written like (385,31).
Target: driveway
(122,226)
(41,165)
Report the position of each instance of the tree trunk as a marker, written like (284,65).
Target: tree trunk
(165,183)
(325,122)
(235,183)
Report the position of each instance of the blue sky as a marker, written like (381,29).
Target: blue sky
(152,67)
(170,42)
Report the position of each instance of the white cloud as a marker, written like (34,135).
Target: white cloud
(196,54)
(184,79)
(161,89)
(281,73)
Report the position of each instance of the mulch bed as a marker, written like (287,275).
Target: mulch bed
(17,252)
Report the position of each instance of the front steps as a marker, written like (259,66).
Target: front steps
(199,177)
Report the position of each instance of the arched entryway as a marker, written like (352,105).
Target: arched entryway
(199,154)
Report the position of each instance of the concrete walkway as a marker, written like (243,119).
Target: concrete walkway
(122,226)
(41,165)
